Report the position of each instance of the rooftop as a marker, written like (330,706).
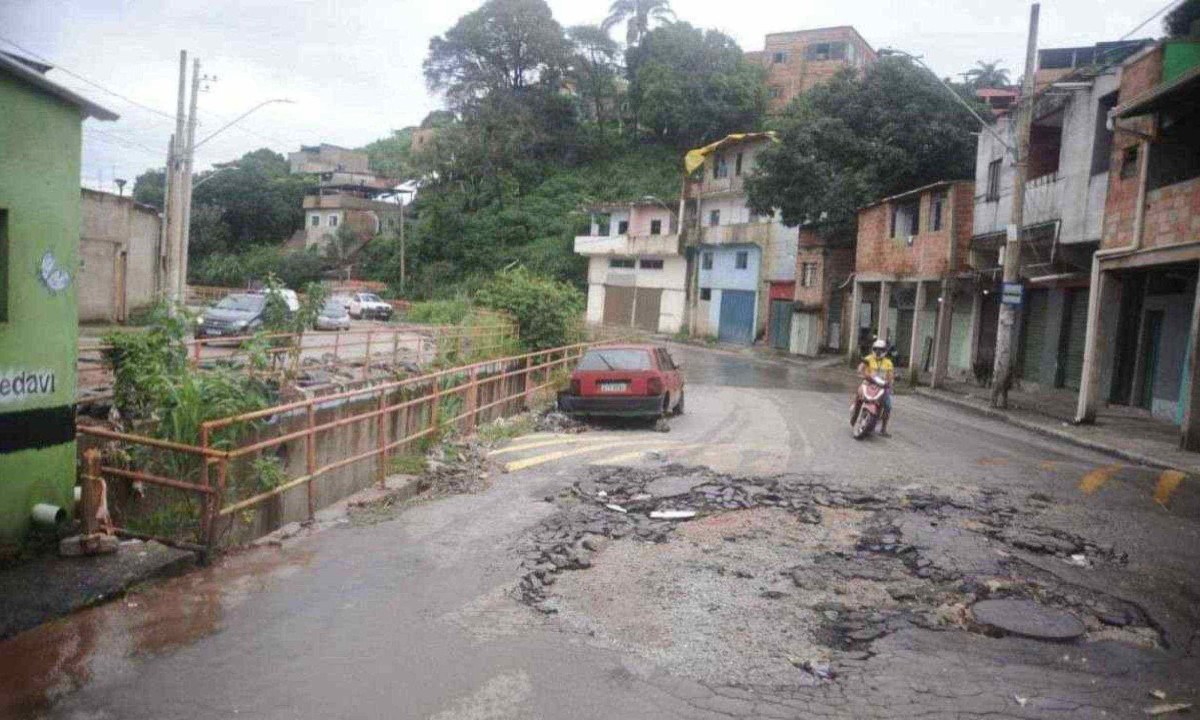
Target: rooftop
(34,74)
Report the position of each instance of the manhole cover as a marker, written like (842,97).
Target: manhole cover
(1027,618)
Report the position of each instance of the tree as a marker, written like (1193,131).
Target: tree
(503,47)
(987,75)
(149,188)
(1184,20)
(693,86)
(592,68)
(854,140)
(260,200)
(392,156)
(637,16)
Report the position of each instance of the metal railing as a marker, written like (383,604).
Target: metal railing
(385,416)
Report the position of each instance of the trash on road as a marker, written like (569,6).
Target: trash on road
(673,514)
(617,508)
(1158,694)
(1156,710)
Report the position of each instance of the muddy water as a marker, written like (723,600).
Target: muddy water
(104,643)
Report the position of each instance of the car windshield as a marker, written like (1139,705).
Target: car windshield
(616,359)
(334,308)
(367,297)
(242,303)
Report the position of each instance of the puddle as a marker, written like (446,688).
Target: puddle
(104,643)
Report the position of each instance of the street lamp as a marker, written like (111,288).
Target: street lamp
(237,119)
(886,52)
(213,174)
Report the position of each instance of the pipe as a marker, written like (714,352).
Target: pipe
(48,517)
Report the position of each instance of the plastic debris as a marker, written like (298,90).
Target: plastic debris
(1020,700)
(617,508)
(1158,694)
(1079,560)
(673,514)
(1157,710)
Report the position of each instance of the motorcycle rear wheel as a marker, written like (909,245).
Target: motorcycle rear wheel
(865,424)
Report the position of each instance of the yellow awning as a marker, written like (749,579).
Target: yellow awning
(695,158)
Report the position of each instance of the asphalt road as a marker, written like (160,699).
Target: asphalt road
(414,617)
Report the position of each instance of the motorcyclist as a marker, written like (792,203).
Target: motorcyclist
(877,363)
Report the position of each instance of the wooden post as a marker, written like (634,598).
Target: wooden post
(914,346)
(310,457)
(90,492)
(528,376)
(472,398)
(381,431)
(395,348)
(1190,430)
(367,357)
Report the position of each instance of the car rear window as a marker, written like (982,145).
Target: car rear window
(616,359)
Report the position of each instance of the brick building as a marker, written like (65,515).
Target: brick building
(913,284)
(1143,319)
(347,194)
(824,269)
(797,61)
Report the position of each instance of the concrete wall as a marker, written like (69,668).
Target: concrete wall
(672,279)
(119,251)
(40,137)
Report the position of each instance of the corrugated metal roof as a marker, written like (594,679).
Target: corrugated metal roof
(30,75)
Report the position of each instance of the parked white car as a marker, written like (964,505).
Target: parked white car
(369,305)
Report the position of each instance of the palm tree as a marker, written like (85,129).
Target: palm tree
(987,75)
(637,16)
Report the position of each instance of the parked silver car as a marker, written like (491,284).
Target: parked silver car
(333,316)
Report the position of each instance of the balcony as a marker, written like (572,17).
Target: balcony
(658,245)
(756,233)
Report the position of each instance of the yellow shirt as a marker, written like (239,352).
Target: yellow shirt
(877,365)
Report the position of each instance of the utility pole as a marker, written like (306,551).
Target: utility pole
(188,162)
(1013,295)
(174,209)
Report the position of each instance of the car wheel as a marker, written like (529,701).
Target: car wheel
(679,405)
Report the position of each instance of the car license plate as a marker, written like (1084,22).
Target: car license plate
(614,386)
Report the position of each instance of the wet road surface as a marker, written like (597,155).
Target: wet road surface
(415,617)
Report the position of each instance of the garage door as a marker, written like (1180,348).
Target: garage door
(1076,337)
(737,317)
(618,305)
(1033,343)
(781,324)
(647,303)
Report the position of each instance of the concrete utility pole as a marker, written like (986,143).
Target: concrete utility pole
(174,201)
(188,162)
(1009,305)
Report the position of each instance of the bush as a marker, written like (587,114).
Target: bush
(294,269)
(439,312)
(549,312)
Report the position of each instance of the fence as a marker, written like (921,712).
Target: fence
(420,344)
(242,463)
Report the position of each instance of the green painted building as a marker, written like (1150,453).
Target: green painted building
(40,142)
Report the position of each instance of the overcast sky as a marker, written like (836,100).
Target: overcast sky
(353,67)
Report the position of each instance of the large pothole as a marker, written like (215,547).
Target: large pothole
(784,580)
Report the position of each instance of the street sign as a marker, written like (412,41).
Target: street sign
(1012,294)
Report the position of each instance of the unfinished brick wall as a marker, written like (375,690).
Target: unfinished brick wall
(797,75)
(929,254)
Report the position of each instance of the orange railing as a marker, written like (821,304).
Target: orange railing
(377,419)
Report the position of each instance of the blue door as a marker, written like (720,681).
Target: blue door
(737,317)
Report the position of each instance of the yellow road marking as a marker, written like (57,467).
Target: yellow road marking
(549,457)
(544,443)
(1168,481)
(626,457)
(1094,480)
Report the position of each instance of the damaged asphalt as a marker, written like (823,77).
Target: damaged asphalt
(955,570)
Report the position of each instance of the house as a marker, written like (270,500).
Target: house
(797,61)
(913,284)
(316,159)
(1143,318)
(120,243)
(41,131)
(637,276)
(998,99)
(739,259)
(820,305)
(1065,190)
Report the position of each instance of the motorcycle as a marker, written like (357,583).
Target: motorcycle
(868,406)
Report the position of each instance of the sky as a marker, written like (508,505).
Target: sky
(352,68)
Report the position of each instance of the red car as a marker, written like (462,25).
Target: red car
(624,380)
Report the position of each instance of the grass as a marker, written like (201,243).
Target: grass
(410,464)
(506,429)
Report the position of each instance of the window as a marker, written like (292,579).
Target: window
(774,92)
(993,180)
(656,227)
(3,266)
(706,294)
(315,221)
(615,359)
(1129,161)
(714,218)
(651,263)
(1102,141)
(1045,145)
(603,225)
(333,219)
(706,261)
(808,274)
(622,227)
(906,218)
(825,51)
(626,263)
(737,165)
(779,58)
(1175,157)
(741,260)
(721,167)
(937,201)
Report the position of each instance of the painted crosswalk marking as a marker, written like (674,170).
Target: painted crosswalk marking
(559,455)
(544,443)
(636,454)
